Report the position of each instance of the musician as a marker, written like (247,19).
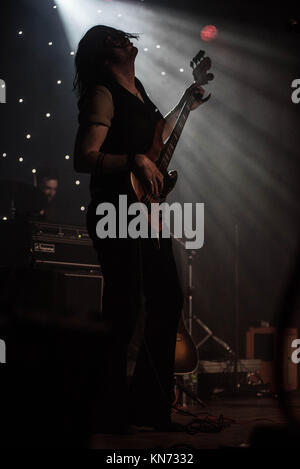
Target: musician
(116,129)
(46,179)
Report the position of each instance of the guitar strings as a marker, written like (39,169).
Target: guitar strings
(162,166)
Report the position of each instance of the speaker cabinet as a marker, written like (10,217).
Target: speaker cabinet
(60,292)
(80,293)
(261,343)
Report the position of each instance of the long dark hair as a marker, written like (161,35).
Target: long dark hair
(92,52)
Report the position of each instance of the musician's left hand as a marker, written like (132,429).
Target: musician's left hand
(197,91)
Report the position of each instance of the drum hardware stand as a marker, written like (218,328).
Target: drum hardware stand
(233,354)
(190,317)
(179,379)
(185,390)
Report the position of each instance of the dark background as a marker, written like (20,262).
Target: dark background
(247,173)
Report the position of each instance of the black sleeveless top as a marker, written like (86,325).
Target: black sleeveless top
(131,131)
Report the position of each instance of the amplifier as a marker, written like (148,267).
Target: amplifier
(62,246)
(55,268)
(261,343)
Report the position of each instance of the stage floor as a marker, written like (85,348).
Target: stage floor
(246,415)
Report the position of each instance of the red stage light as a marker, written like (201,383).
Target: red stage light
(209,32)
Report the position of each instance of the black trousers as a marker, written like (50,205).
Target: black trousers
(134,269)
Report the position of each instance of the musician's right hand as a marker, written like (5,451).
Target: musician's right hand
(149,174)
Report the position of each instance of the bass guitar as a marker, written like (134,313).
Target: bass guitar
(161,153)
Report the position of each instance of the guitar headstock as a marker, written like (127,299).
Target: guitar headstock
(200,66)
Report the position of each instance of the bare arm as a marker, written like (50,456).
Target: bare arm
(89,140)
(197,91)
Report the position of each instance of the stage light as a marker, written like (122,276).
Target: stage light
(58,82)
(77,182)
(33,171)
(20,33)
(82,208)
(209,32)
(21,159)
(28,136)
(4,218)
(21,100)
(67,157)
(48,114)
(4,155)
(50,43)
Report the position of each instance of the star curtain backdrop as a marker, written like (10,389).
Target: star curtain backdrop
(238,153)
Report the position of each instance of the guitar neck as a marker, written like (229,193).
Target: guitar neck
(169,148)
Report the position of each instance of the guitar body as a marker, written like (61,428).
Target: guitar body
(170,177)
(186,356)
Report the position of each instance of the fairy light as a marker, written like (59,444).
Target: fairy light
(56,82)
